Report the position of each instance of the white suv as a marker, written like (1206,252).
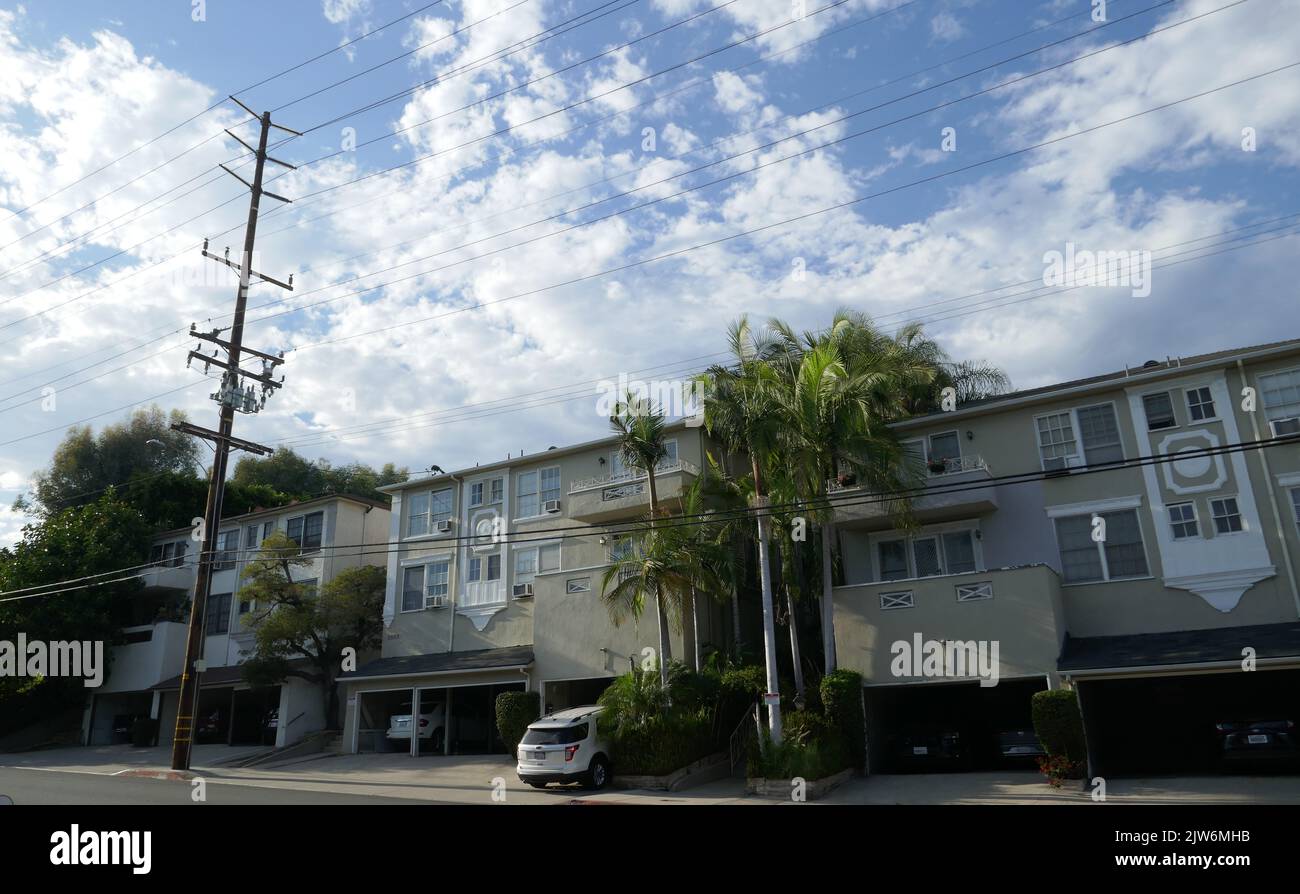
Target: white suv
(564,747)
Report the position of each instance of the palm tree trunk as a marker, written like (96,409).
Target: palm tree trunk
(769,622)
(794,646)
(828,598)
(691,632)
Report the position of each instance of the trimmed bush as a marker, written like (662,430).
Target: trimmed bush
(1059,725)
(663,745)
(515,710)
(841,692)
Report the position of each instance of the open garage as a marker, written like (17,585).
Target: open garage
(1187,724)
(934,727)
(431,704)
(1225,700)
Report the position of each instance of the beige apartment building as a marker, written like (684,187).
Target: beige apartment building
(494,584)
(1163,586)
(334,532)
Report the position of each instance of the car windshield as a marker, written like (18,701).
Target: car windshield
(555,735)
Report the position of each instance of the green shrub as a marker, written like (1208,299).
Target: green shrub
(1059,725)
(515,710)
(809,758)
(663,744)
(841,692)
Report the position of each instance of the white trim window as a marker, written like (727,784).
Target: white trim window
(1226,515)
(306,530)
(1280,394)
(227,550)
(250,538)
(618,470)
(1182,520)
(426,510)
(268,528)
(425,586)
(1200,404)
(535,488)
(487,492)
(943,448)
(534,560)
(928,554)
(1121,554)
(1097,439)
(1159,410)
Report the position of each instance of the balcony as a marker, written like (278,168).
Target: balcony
(1019,608)
(169,577)
(962,487)
(151,654)
(627,493)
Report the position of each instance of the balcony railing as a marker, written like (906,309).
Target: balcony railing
(953,466)
(631,482)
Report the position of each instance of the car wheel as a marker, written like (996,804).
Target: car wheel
(598,774)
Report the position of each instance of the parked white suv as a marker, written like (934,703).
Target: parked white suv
(564,747)
(429,725)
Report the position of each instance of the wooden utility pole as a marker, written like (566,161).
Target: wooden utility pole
(237,393)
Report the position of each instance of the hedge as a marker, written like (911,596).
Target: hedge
(1059,725)
(515,710)
(841,692)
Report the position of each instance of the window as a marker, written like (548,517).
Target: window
(539,559)
(475,571)
(305,530)
(890,601)
(1280,394)
(422,585)
(893,560)
(1160,411)
(959,552)
(1119,555)
(413,589)
(1200,404)
(925,556)
(1055,440)
(1098,432)
(578,585)
(250,537)
(1182,517)
(945,448)
(227,549)
(178,557)
(156,553)
(482,492)
(619,548)
(476,493)
(550,484)
(494,567)
(245,606)
(1226,515)
(526,502)
(426,511)
(497,490)
(216,614)
(1295,505)
(268,528)
(525,564)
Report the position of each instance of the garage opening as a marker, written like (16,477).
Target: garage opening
(113,717)
(941,727)
(212,716)
(255,716)
(1194,724)
(449,720)
(379,721)
(562,694)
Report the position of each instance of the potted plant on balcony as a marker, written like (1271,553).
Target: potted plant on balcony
(937,466)
(847,479)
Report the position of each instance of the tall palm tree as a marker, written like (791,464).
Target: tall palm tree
(739,402)
(838,390)
(642,445)
(648,570)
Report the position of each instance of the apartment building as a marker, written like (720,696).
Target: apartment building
(334,532)
(1163,588)
(494,584)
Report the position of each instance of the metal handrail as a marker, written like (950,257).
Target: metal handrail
(736,741)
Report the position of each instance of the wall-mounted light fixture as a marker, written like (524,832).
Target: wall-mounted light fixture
(970,435)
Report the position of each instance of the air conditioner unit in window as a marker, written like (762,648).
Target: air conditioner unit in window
(1282,428)
(523,591)
(551,506)
(435,602)
(443,526)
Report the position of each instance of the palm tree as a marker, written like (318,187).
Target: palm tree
(642,446)
(739,404)
(648,569)
(838,389)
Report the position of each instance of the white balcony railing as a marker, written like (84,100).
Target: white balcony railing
(631,481)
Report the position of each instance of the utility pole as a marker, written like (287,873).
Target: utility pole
(235,393)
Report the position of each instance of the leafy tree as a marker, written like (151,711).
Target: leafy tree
(84,464)
(175,499)
(293,620)
(72,543)
(287,472)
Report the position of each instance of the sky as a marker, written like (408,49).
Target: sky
(501,207)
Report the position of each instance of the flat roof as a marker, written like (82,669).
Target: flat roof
(297,504)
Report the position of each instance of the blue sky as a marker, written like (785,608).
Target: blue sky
(488,216)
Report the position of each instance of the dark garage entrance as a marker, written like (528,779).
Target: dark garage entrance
(1152,726)
(906,717)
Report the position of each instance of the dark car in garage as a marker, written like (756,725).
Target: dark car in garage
(1257,741)
(1019,747)
(925,749)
